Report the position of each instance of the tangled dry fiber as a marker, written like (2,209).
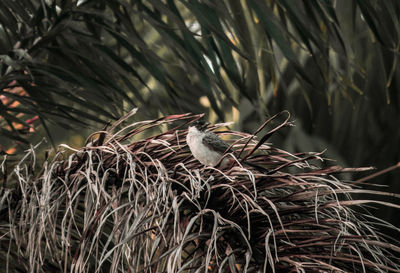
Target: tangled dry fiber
(124,204)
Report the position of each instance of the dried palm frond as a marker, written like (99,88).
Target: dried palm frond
(125,203)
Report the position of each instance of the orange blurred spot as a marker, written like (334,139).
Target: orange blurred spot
(14,104)
(17,126)
(10,102)
(275,91)
(11,151)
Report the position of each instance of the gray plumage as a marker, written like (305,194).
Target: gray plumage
(217,144)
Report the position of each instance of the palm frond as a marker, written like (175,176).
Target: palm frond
(125,202)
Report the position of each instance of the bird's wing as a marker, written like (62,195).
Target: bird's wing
(212,141)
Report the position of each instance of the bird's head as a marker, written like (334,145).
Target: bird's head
(200,125)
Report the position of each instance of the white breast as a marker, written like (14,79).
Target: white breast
(200,151)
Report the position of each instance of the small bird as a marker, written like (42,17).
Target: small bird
(206,146)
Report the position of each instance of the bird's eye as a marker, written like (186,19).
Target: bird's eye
(198,123)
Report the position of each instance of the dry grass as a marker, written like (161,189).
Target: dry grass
(123,204)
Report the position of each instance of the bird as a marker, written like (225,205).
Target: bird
(206,146)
